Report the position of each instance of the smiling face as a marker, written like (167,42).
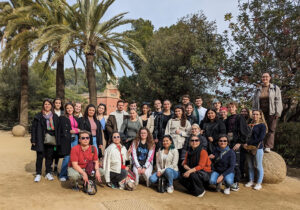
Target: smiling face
(143,134)
(120,106)
(256,116)
(217,105)
(244,112)
(185,100)
(195,130)
(223,142)
(77,108)
(116,138)
(266,78)
(232,109)
(211,115)
(223,114)
(157,105)
(47,106)
(145,109)
(101,109)
(132,114)
(57,104)
(167,105)
(189,110)
(166,143)
(91,111)
(194,142)
(69,109)
(198,102)
(133,106)
(178,113)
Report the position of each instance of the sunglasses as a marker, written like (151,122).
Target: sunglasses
(223,141)
(84,138)
(194,140)
(116,137)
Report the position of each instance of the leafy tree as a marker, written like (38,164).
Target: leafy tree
(182,59)
(266,39)
(95,39)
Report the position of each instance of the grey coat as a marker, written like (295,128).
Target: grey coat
(275,101)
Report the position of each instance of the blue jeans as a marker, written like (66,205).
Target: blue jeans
(229,178)
(170,175)
(257,162)
(64,166)
(95,144)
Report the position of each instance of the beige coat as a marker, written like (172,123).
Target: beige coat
(171,161)
(172,126)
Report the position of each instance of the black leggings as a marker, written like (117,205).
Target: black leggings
(48,154)
(115,178)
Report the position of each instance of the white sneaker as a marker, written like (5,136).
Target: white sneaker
(257,187)
(37,178)
(170,189)
(249,184)
(201,195)
(267,150)
(227,191)
(49,177)
(63,179)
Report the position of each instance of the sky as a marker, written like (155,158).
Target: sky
(167,12)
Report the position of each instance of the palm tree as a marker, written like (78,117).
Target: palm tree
(94,39)
(16,38)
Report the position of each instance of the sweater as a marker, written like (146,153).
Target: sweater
(258,134)
(170,162)
(112,160)
(204,162)
(225,165)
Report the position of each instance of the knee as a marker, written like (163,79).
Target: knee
(168,172)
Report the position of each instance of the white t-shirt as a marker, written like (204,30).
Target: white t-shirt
(201,112)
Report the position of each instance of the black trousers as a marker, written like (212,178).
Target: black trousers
(48,154)
(194,183)
(242,161)
(115,177)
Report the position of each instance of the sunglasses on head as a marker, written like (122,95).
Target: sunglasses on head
(85,138)
(194,140)
(222,141)
(116,137)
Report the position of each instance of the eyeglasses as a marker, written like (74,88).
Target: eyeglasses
(85,138)
(116,137)
(223,141)
(194,140)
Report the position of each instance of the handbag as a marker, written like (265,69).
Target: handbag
(161,184)
(252,149)
(50,140)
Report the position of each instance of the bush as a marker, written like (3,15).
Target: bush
(287,142)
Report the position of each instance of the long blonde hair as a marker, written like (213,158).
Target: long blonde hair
(262,118)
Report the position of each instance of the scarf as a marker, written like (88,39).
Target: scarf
(49,121)
(193,156)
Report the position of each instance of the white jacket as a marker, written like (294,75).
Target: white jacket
(171,161)
(179,139)
(112,160)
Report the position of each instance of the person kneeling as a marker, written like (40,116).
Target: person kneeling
(198,168)
(224,162)
(81,156)
(166,163)
(114,163)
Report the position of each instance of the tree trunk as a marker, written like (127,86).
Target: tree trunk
(91,77)
(24,93)
(60,79)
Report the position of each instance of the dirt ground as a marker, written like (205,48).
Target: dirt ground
(18,191)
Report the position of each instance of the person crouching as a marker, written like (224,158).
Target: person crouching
(80,156)
(198,168)
(224,160)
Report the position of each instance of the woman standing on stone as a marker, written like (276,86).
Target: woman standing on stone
(259,131)
(268,99)
(44,126)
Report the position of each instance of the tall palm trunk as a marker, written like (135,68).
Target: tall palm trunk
(24,93)
(60,78)
(91,77)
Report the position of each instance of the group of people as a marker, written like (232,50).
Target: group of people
(202,148)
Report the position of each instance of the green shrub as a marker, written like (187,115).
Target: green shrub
(287,142)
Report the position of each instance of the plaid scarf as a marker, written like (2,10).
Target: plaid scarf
(49,121)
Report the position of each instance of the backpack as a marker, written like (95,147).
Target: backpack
(90,188)
(161,188)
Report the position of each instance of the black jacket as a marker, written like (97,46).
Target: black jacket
(241,131)
(65,135)
(192,119)
(159,129)
(186,145)
(39,129)
(85,125)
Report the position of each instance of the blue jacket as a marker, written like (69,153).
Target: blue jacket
(258,135)
(224,165)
